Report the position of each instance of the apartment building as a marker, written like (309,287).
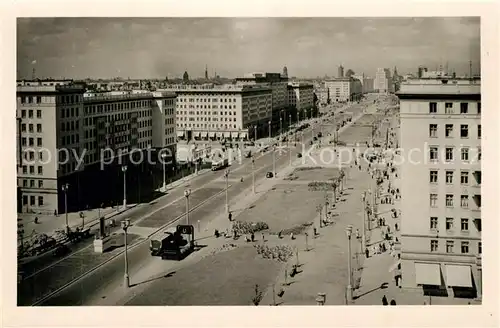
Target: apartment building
(441,191)
(76,132)
(344,89)
(222,112)
(301,96)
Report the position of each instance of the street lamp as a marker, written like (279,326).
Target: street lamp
(255,133)
(274,161)
(349,276)
(125,225)
(253,174)
(363,236)
(226,176)
(187,193)
(124,170)
(163,156)
(269,127)
(65,188)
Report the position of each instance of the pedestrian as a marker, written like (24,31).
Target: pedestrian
(55,212)
(396,226)
(252,236)
(384,301)
(36,220)
(388,229)
(393,302)
(230,216)
(367,253)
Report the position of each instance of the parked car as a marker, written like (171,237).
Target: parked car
(299,155)
(269,175)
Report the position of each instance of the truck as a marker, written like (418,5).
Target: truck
(175,244)
(219,164)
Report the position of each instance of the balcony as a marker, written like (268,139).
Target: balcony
(476,181)
(476,204)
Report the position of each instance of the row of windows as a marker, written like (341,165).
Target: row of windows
(30,113)
(449,174)
(206,106)
(169,141)
(205,113)
(116,106)
(207,99)
(215,119)
(70,125)
(450,154)
(30,155)
(448,131)
(70,139)
(450,247)
(169,131)
(31,142)
(205,125)
(32,200)
(39,169)
(450,200)
(68,167)
(449,108)
(70,112)
(31,100)
(32,183)
(169,121)
(450,224)
(31,128)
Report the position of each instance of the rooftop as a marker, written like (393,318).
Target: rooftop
(441,87)
(215,88)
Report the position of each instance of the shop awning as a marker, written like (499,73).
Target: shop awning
(204,134)
(458,276)
(227,134)
(211,134)
(180,133)
(428,274)
(234,135)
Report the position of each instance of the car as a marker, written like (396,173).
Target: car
(269,174)
(299,155)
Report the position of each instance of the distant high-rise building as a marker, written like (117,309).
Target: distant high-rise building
(185,77)
(381,82)
(341,71)
(206,72)
(421,70)
(285,72)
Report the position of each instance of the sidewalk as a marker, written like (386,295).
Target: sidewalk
(48,224)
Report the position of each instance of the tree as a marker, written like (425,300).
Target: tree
(349,73)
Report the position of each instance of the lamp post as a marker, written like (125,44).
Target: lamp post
(363,225)
(124,170)
(349,276)
(163,156)
(274,161)
(269,127)
(255,133)
(65,188)
(253,174)
(125,226)
(226,176)
(187,193)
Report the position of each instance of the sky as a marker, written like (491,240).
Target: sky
(309,47)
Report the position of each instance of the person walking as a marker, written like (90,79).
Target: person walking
(367,253)
(384,300)
(393,302)
(230,216)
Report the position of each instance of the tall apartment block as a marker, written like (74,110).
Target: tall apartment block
(69,137)
(441,190)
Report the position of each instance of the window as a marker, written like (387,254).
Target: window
(32,183)
(32,169)
(449,246)
(432,108)
(465,247)
(40,200)
(464,201)
(449,154)
(479,248)
(433,200)
(25,200)
(25,183)
(25,169)
(479,131)
(464,108)
(449,223)
(30,113)
(434,222)
(464,224)
(465,154)
(477,223)
(40,183)
(434,245)
(23,113)
(32,200)
(433,153)
(433,177)
(448,132)
(30,128)
(39,128)
(479,108)
(449,200)
(39,142)
(40,170)
(464,131)
(464,177)
(433,130)
(448,108)
(38,113)
(449,177)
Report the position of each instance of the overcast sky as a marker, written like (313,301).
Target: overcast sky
(309,47)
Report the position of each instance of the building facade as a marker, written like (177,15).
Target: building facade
(301,97)
(83,139)
(382,82)
(441,193)
(344,89)
(222,112)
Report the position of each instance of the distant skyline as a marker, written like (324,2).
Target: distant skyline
(158,47)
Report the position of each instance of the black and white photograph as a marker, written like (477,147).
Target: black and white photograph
(248,161)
